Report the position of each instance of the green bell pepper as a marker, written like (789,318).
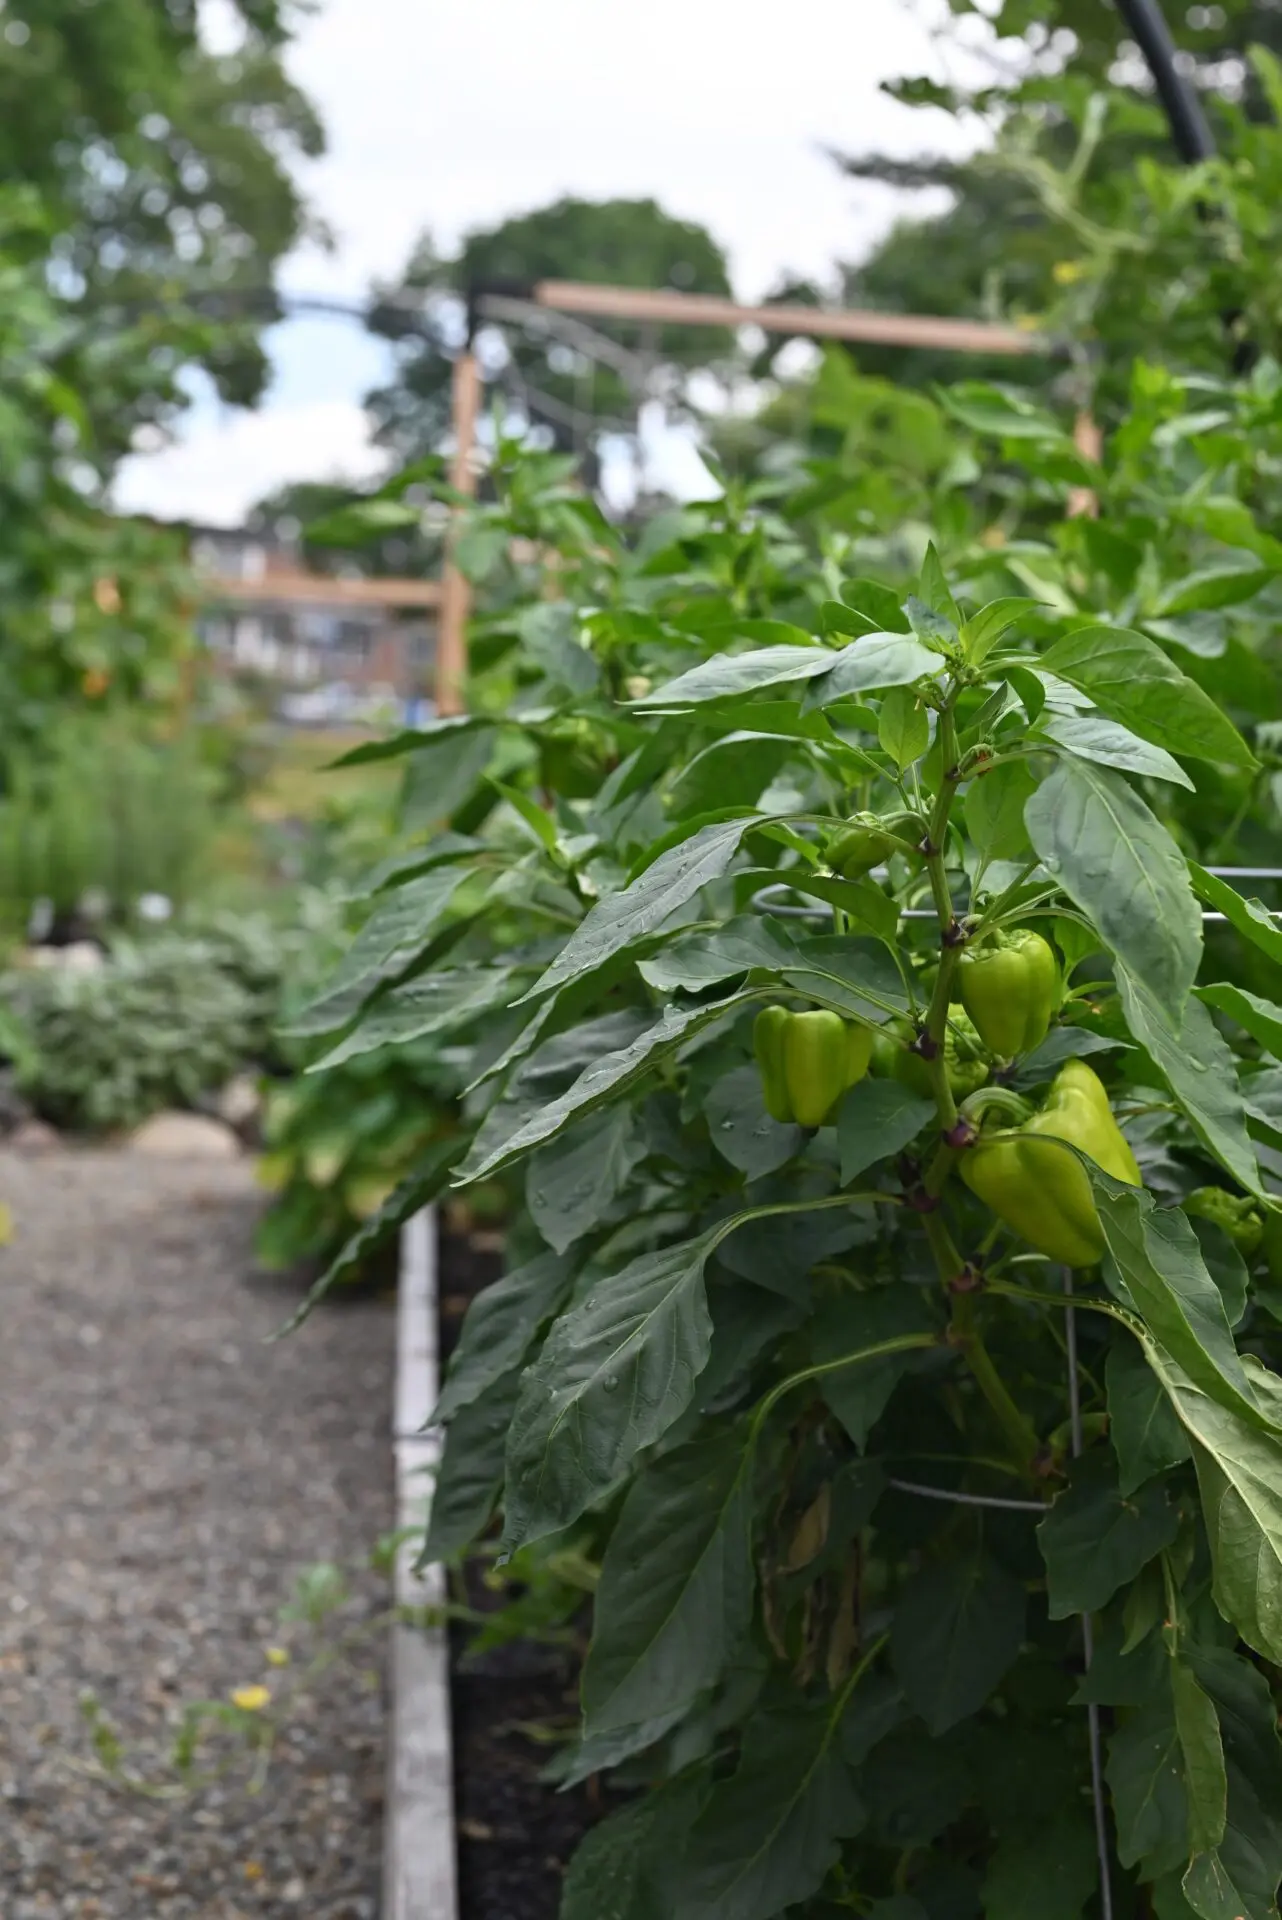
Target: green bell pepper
(1010,986)
(964,1061)
(1037,1189)
(807,1061)
(1236,1214)
(867,841)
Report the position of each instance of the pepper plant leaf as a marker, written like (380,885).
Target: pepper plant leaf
(1132,680)
(768,1835)
(1119,864)
(576,1177)
(614,1374)
(621,919)
(469,1477)
(1160,1260)
(509,1132)
(957,1630)
(1250,918)
(1261,1018)
(1095,1538)
(1194,1059)
(728,676)
(1147,1438)
(1109,744)
(677,1585)
(501,1326)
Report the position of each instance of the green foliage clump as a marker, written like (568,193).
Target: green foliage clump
(161,1024)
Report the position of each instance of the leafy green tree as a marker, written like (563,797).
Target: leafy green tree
(559,385)
(1003,245)
(162,167)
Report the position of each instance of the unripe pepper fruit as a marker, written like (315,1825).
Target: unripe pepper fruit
(1235,1214)
(894,1059)
(1010,986)
(867,841)
(1038,1189)
(807,1061)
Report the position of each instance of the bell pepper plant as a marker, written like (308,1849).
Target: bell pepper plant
(866,1329)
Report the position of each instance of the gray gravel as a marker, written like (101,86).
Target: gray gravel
(164,1477)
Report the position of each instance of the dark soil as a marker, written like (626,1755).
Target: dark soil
(515,1833)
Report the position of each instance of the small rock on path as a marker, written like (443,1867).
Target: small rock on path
(164,1477)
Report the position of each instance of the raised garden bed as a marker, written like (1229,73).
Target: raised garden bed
(513,1833)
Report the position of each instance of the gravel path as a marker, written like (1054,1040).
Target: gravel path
(164,1478)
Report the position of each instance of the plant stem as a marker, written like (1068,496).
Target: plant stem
(964,1331)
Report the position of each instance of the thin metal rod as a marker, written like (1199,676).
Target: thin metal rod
(1189,127)
(1088,1632)
(968,1499)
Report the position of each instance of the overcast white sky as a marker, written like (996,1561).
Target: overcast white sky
(445,116)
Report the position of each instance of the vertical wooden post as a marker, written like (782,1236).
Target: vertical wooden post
(451,640)
(1089,442)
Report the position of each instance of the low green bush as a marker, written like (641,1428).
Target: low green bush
(162,1023)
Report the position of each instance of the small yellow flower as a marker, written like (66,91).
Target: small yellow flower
(278,1656)
(1065,272)
(251,1699)
(254,1869)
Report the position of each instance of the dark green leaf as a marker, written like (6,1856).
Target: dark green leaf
(677,1585)
(933,587)
(853,976)
(440,776)
(1226,1267)
(574,1179)
(1261,1018)
(1146,1779)
(849,1322)
(604,1879)
(1130,679)
(1250,1853)
(501,1326)
(434,1003)
(903,728)
(1239,1470)
(1095,1539)
(442,850)
(1250,917)
(916,1786)
(733,772)
(1030,689)
(1147,1438)
(1205,1781)
(769,1835)
(1118,863)
(506,1134)
(1060,1044)
(397,744)
(877,660)
(470,1476)
(878,1118)
(957,1630)
(695,961)
(994,809)
(1215,587)
(1051,1873)
(1195,1061)
(620,919)
(398,928)
(728,676)
(741,1129)
(984,629)
(1109,744)
(614,1374)
(1158,1256)
(878,604)
(746,1321)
